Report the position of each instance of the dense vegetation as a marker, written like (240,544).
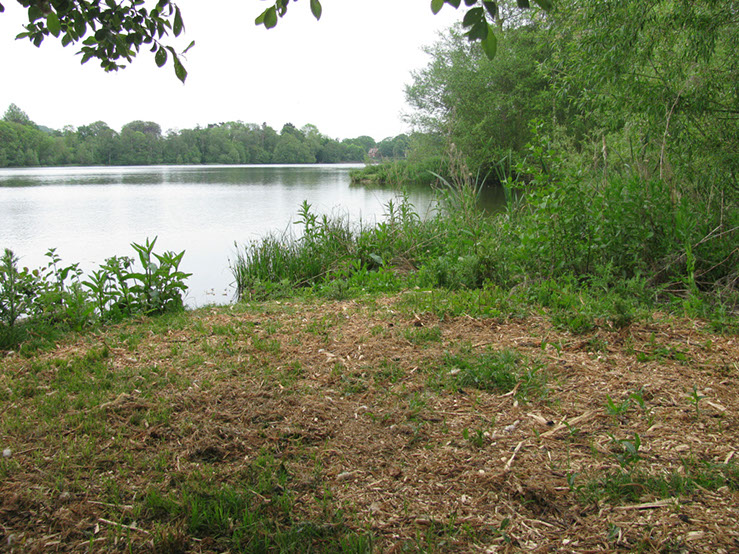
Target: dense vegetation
(614,128)
(615,139)
(52,300)
(23,144)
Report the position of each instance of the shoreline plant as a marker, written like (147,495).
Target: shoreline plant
(55,297)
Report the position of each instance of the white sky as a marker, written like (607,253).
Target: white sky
(345,74)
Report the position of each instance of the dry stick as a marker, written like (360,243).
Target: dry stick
(121,506)
(131,527)
(647,506)
(510,462)
(664,137)
(574,421)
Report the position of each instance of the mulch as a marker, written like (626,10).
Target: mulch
(345,399)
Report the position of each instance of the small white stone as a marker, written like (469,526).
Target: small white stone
(7,453)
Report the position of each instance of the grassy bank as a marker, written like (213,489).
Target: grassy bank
(561,375)
(420,421)
(585,247)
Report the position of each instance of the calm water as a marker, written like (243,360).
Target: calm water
(89,214)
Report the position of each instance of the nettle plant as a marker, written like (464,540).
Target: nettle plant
(57,293)
(119,290)
(15,289)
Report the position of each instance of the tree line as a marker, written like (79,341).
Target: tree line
(23,143)
(645,88)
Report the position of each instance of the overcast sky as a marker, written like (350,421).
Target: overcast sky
(345,74)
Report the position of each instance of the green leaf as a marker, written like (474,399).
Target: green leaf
(315,7)
(160,57)
(34,13)
(270,18)
(281,6)
(52,23)
(454,3)
(473,17)
(545,5)
(436,6)
(177,26)
(179,69)
(80,26)
(492,8)
(490,44)
(523,4)
(479,31)
(2,8)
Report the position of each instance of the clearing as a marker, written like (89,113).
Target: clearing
(374,424)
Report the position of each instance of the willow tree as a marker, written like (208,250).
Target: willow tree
(660,77)
(482,106)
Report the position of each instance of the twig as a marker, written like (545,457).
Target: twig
(574,421)
(510,462)
(486,343)
(646,506)
(131,527)
(122,506)
(511,392)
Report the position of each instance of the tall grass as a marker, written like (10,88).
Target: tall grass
(400,173)
(327,249)
(619,241)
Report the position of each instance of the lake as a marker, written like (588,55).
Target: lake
(91,213)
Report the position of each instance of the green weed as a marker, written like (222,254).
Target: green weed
(617,410)
(422,335)
(495,371)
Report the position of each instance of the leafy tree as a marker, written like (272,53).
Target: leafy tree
(218,146)
(394,147)
(290,150)
(290,129)
(330,152)
(140,143)
(102,140)
(110,31)
(658,80)
(353,153)
(15,115)
(182,147)
(482,106)
(114,31)
(22,143)
(365,142)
